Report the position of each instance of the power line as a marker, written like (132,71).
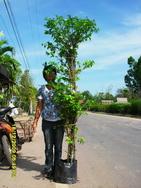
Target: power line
(5,28)
(7,32)
(16,32)
(19,37)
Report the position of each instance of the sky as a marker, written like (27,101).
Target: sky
(119,37)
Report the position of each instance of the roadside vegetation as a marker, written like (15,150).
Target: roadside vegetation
(133,108)
(132,93)
(15,84)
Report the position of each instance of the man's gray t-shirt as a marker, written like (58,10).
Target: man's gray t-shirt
(50,111)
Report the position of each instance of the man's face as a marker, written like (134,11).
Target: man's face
(50,75)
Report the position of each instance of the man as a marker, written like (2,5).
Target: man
(52,125)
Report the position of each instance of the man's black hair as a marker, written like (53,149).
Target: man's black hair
(49,68)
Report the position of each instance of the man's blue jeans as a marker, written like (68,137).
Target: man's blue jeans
(53,137)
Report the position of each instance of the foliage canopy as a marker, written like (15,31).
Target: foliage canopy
(133,76)
(66,35)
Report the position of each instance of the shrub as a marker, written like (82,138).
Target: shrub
(112,108)
(119,108)
(98,107)
(135,108)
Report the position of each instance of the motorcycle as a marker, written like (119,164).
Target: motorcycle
(7,125)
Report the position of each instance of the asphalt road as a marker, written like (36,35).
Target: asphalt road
(110,157)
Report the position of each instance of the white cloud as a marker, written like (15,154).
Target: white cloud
(113,59)
(133,20)
(112,48)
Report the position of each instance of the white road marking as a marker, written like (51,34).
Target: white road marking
(60,185)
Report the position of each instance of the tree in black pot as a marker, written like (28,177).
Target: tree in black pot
(66,35)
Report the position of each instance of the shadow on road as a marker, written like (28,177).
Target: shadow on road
(27,164)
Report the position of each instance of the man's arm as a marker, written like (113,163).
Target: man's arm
(37,114)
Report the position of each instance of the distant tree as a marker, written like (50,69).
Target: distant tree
(27,92)
(9,62)
(133,77)
(87,95)
(103,96)
(4,49)
(87,100)
(108,96)
(123,92)
(99,96)
(12,67)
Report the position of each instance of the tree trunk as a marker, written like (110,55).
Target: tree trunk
(71,133)
(30,107)
(71,147)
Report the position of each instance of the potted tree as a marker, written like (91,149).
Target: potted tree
(66,35)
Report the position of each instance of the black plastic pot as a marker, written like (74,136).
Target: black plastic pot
(66,172)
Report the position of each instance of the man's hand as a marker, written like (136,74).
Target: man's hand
(34,125)
(37,114)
